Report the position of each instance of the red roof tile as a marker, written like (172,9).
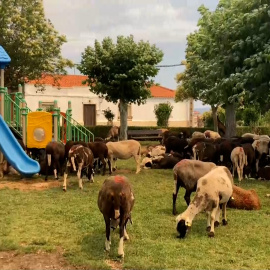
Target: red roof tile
(76,80)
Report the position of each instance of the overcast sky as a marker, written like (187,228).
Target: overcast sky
(163,22)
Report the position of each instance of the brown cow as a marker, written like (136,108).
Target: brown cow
(115,202)
(81,157)
(113,134)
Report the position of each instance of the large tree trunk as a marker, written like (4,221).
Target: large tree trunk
(230,120)
(214,115)
(123,108)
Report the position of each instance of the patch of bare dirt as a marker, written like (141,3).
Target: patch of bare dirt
(115,265)
(39,261)
(28,184)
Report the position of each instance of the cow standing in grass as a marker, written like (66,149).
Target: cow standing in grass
(81,158)
(115,202)
(124,150)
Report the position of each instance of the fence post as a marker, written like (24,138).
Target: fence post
(24,123)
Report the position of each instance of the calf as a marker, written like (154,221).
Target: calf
(239,160)
(124,150)
(81,157)
(55,157)
(186,174)
(115,202)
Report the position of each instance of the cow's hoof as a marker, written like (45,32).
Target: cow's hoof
(211,234)
(216,224)
(64,189)
(208,228)
(114,169)
(91,181)
(224,222)
(121,256)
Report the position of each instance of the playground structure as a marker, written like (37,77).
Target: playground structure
(35,128)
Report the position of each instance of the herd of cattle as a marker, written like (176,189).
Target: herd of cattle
(203,164)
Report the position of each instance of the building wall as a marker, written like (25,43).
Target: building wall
(142,115)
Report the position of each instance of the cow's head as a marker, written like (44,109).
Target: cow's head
(182,226)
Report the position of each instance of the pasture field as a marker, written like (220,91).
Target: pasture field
(48,220)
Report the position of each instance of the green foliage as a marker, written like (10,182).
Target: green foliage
(266,119)
(31,41)
(250,116)
(207,117)
(109,115)
(122,70)
(163,112)
(228,63)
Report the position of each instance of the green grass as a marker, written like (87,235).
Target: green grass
(51,219)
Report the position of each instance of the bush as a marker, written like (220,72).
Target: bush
(250,116)
(163,112)
(208,118)
(109,115)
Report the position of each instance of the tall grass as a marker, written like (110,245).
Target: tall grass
(51,219)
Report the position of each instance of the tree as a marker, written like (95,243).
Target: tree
(31,41)
(121,72)
(228,57)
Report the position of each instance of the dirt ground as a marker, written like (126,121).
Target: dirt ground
(28,184)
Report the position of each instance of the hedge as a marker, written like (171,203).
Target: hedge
(102,131)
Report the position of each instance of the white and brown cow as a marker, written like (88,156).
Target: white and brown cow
(82,159)
(124,150)
(115,202)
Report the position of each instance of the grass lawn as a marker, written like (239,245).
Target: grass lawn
(50,219)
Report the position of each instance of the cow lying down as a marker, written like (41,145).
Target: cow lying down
(115,202)
(81,158)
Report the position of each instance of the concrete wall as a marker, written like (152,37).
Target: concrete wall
(142,115)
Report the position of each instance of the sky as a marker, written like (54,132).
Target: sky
(165,23)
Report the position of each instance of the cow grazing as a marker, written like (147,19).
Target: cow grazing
(186,174)
(124,150)
(261,147)
(176,144)
(115,202)
(239,160)
(100,152)
(69,144)
(113,134)
(80,157)
(55,157)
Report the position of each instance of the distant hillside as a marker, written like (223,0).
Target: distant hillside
(202,110)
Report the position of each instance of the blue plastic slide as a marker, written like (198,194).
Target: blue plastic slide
(14,153)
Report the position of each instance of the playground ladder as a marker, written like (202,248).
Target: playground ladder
(14,111)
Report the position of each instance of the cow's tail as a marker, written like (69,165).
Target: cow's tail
(73,163)
(49,158)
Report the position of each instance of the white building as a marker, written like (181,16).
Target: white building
(87,107)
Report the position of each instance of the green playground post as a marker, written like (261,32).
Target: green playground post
(56,122)
(68,117)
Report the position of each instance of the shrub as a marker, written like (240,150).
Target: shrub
(163,112)
(250,116)
(109,115)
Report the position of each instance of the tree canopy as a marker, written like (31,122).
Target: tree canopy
(121,72)
(228,56)
(31,41)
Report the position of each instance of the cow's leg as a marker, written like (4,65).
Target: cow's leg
(109,165)
(65,176)
(79,175)
(58,168)
(104,164)
(187,197)
(90,174)
(224,216)
(121,242)
(257,165)
(175,192)
(108,239)
(138,161)
(48,163)
(213,218)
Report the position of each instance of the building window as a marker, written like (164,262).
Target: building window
(129,112)
(47,106)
